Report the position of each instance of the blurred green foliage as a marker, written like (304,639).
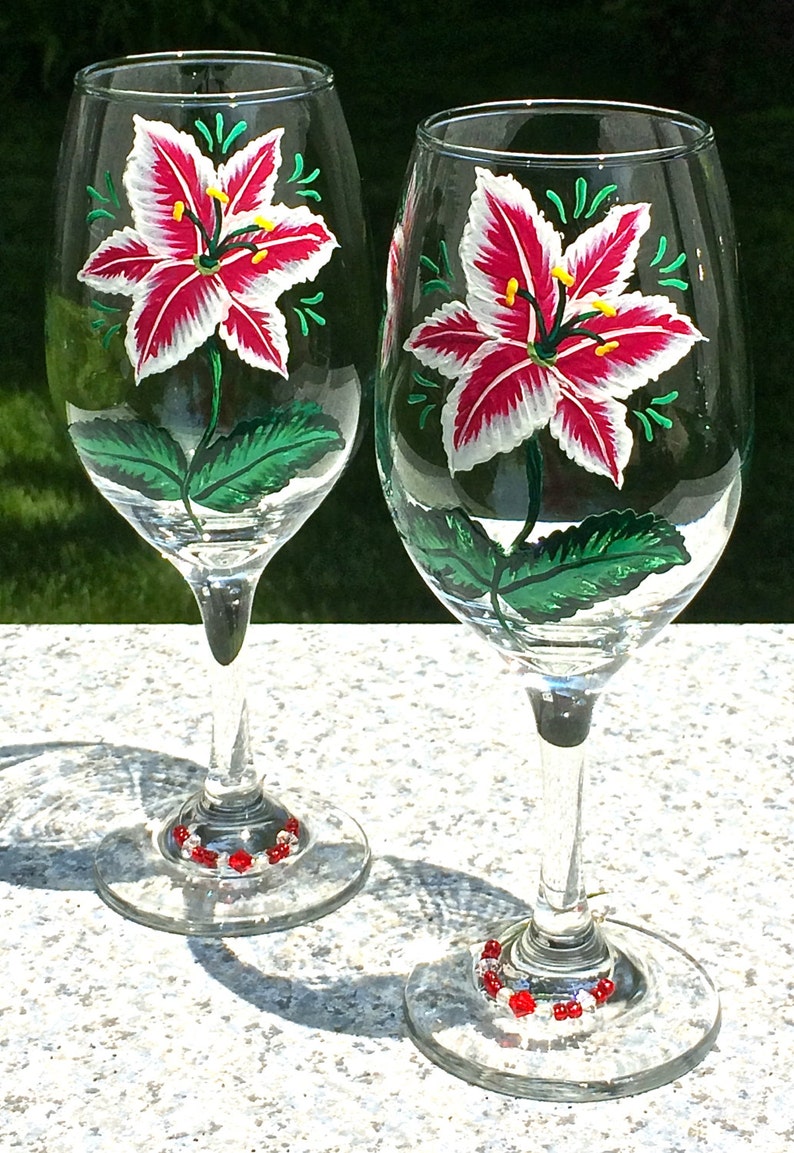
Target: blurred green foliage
(66,556)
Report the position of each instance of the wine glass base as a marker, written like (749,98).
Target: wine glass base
(136,879)
(661,1021)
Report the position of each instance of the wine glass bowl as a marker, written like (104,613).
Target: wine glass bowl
(563,417)
(209,256)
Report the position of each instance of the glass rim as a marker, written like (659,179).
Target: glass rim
(89,80)
(427,133)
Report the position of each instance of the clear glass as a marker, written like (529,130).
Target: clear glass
(563,417)
(208,347)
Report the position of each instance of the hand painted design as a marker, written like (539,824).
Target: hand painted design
(425,385)
(581,200)
(666,280)
(222,139)
(394,270)
(209,253)
(304,182)
(102,322)
(650,416)
(439,271)
(226,473)
(105,203)
(209,250)
(551,579)
(548,337)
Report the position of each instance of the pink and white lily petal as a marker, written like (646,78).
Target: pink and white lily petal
(119,264)
(166,166)
(176,311)
(602,259)
(297,247)
(258,335)
(507,237)
(501,398)
(249,177)
(394,293)
(448,339)
(651,337)
(591,429)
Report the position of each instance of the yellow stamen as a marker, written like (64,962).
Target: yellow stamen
(602,306)
(610,346)
(217,194)
(259,257)
(267,225)
(179,210)
(510,292)
(560,274)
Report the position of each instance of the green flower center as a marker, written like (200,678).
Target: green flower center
(209,262)
(545,348)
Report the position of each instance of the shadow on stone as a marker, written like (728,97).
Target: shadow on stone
(407,906)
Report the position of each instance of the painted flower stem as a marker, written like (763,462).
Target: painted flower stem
(534,470)
(216,369)
(494,596)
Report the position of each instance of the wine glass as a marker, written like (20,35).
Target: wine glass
(563,413)
(207,344)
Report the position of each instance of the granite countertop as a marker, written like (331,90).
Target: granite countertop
(116,1036)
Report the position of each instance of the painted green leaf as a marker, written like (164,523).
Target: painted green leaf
(453,549)
(132,453)
(604,556)
(262,456)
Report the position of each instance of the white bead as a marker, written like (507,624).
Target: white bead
(504,995)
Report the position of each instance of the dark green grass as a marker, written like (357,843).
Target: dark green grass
(67,556)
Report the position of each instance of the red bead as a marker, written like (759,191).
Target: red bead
(292,826)
(604,989)
(574,1009)
(278,853)
(180,834)
(492,982)
(522,1003)
(204,856)
(491,950)
(241,861)
(560,1011)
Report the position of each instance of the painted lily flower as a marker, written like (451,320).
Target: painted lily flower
(208,250)
(394,271)
(547,337)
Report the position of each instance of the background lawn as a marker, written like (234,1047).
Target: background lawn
(66,556)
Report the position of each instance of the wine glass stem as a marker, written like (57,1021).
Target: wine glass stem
(231,774)
(562,938)
(225,604)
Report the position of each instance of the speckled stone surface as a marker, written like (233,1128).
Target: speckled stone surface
(113,1036)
